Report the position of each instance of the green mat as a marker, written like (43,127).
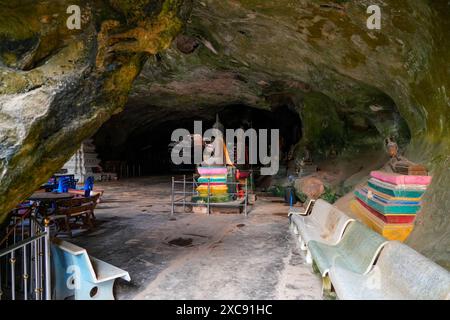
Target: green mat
(397,193)
(388,209)
(213,199)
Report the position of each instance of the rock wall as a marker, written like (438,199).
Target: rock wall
(59,85)
(319,57)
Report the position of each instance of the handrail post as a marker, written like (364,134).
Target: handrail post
(34,253)
(25,265)
(246,198)
(12,262)
(48,283)
(209,190)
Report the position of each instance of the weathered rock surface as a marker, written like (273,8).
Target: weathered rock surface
(343,79)
(351,86)
(59,85)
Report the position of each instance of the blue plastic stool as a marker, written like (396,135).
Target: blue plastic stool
(88,186)
(63,185)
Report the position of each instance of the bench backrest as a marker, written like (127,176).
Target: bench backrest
(72,263)
(412,273)
(361,246)
(330,220)
(76,205)
(320,206)
(66,255)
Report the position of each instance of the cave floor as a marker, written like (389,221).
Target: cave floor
(219,257)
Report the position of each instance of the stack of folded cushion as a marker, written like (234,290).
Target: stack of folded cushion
(216,179)
(390,202)
(241,179)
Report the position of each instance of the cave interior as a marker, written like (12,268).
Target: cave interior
(145,149)
(133,72)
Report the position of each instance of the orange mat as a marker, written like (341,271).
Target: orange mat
(399,232)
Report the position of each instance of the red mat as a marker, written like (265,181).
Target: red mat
(394,219)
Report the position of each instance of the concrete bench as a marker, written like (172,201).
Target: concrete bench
(400,273)
(357,251)
(80,275)
(302,212)
(326,224)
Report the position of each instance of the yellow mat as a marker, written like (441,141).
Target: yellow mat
(399,232)
(214,189)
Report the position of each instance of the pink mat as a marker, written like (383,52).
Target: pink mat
(399,179)
(212,171)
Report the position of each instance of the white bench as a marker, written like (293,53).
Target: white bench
(302,212)
(357,251)
(400,273)
(80,275)
(326,224)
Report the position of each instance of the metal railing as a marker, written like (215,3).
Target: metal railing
(187,189)
(25,271)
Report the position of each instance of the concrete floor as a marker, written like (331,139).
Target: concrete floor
(224,257)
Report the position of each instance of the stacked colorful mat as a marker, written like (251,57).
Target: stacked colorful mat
(216,178)
(389,203)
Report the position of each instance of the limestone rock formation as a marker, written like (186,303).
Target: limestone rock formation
(321,58)
(59,85)
(351,86)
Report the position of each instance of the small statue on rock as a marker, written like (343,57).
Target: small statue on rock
(392,148)
(400,164)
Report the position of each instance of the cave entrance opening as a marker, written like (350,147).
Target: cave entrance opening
(132,144)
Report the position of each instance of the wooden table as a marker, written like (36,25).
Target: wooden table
(49,199)
(44,200)
(50,196)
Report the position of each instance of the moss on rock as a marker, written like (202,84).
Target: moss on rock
(58,90)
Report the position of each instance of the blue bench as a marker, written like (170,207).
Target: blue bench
(80,275)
